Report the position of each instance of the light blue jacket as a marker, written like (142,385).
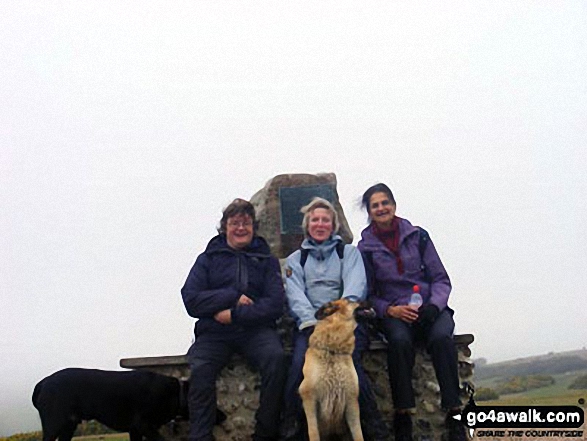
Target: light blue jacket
(319,281)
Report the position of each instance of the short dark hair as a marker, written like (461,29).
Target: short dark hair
(377,188)
(235,208)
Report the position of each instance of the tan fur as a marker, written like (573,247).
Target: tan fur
(330,389)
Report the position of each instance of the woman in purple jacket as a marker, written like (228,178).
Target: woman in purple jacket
(398,257)
(235,291)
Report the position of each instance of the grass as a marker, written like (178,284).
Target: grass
(545,398)
(105,437)
(555,394)
(38,436)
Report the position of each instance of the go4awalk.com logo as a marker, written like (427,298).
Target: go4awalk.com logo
(523,421)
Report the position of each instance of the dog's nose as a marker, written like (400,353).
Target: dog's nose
(365,313)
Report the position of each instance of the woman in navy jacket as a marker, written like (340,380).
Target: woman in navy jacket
(236,292)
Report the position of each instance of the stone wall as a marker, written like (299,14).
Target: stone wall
(238,390)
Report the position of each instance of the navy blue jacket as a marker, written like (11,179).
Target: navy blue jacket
(219,277)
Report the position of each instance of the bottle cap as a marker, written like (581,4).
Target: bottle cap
(416,288)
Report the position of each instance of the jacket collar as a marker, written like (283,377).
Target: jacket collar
(370,242)
(321,251)
(326,246)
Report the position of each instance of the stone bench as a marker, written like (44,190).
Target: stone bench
(238,389)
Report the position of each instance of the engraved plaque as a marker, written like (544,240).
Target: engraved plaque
(292,199)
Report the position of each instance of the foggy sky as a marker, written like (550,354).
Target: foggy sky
(126,128)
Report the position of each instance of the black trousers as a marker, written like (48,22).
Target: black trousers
(401,337)
(210,353)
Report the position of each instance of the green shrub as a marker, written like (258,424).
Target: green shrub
(486,394)
(91,428)
(31,436)
(523,383)
(579,383)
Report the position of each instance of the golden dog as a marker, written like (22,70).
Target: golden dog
(330,389)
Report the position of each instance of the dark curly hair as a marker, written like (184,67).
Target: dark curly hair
(235,208)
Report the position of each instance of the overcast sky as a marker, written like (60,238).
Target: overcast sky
(126,127)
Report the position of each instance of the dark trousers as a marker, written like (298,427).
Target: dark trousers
(293,402)
(400,358)
(210,353)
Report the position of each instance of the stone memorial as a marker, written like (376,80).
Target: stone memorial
(278,207)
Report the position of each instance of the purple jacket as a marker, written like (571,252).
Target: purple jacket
(389,288)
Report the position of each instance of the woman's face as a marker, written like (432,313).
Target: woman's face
(239,231)
(381,209)
(320,224)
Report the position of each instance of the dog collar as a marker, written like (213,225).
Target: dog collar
(331,351)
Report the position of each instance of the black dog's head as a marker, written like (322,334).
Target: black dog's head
(365,311)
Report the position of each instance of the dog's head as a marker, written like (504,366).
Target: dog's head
(345,309)
(365,311)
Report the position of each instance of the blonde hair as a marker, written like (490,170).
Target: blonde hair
(319,203)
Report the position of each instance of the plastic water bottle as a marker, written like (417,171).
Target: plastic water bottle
(416,299)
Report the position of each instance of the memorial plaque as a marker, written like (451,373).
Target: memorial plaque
(292,199)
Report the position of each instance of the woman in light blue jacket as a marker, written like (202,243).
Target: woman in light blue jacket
(323,270)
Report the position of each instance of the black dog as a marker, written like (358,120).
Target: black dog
(136,402)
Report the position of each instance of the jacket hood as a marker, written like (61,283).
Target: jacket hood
(321,249)
(258,246)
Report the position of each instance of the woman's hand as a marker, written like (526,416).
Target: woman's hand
(405,313)
(224,317)
(428,315)
(244,300)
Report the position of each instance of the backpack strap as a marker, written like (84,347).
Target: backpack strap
(340,250)
(369,256)
(304,253)
(423,240)
(303,256)
(370,270)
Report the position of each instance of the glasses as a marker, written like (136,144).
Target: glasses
(243,224)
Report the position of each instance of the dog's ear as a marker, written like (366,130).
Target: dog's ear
(326,310)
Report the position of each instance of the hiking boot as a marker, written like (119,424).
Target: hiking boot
(263,438)
(291,429)
(402,427)
(374,429)
(455,428)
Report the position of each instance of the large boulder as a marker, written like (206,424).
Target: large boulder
(278,209)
